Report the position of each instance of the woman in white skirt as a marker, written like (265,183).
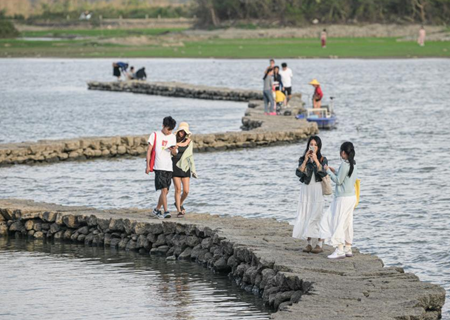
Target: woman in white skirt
(310,206)
(337,225)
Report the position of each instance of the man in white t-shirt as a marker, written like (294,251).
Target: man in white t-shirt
(164,143)
(286,78)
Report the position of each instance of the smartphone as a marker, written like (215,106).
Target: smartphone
(311,148)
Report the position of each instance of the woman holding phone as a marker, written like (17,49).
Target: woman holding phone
(183,165)
(338,221)
(310,207)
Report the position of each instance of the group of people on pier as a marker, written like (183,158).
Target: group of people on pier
(170,157)
(336,224)
(277,88)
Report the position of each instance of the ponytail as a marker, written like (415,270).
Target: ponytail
(349,150)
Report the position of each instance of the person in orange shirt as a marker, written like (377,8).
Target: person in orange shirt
(318,94)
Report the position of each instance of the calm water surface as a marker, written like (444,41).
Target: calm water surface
(394,111)
(69,281)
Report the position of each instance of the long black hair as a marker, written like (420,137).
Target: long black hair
(319,146)
(267,72)
(349,150)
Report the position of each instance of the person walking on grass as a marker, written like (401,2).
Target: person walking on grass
(286,78)
(318,94)
(269,102)
(311,171)
(337,225)
(422,34)
(323,38)
(162,146)
(183,166)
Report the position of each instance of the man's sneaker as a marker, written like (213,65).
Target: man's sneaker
(337,254)
(167,215)
(157,213)
(348,252)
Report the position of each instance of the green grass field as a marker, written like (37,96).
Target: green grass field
(226,48)
(107,33)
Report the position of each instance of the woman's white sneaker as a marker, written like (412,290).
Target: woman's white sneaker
(348,252)
(337,254)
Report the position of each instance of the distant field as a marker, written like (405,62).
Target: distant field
(109,33)
(224,48)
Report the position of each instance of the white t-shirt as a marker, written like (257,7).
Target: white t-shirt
(163,158)
(286,76)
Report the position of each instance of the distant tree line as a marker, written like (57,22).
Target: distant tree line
(301,12)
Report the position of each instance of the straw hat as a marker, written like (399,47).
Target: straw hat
(314,82)
(185,127)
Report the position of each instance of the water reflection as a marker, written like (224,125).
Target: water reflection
(103,283)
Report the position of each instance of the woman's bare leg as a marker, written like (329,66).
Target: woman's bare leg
(177,184)
(186,182)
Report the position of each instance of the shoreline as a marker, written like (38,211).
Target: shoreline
(265,262)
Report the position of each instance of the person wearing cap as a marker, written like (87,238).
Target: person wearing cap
(318,94)
(183,165)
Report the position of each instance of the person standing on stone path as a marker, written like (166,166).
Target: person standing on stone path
(286,77)
(162,146)
(422,34)
(269,102)
(323,38)
(183,166)
(311,201)
(337,225)
(271,65)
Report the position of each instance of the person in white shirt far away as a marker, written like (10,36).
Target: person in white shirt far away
(286,79)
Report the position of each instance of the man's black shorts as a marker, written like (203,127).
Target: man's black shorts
(163,179)
(287,91)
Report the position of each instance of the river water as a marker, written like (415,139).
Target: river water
(71,281)
(393,110)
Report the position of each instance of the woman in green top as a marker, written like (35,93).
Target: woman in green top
(183,166)
(337,225)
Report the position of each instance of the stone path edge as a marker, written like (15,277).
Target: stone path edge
(258,254)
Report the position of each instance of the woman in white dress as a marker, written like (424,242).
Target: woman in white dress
(310,206)
(337,225)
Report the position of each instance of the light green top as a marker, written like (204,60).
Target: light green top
(345,185)
(187,159)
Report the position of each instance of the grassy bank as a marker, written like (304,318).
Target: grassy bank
(226,48)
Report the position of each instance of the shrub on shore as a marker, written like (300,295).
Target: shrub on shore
(7,29)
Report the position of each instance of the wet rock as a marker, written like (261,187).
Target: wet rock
(38,235)
(142,228)
(162,250)
(17,227)
(71,221)
(186,254)
(171,258)
(116,225)
(142,242)
(29,225)
(103,224)
(54,228)
(156,229)
(161,240)
(131,245)
(37,226)
(92,221)
(207,243)
(296,296)
(58,235)
(267,275)
(114,243)
(123,243)
(31,232)
(221,265)
(83,230)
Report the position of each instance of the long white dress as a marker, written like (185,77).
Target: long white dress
(337,225)
(309,210)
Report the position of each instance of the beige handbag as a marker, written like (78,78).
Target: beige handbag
(326,186)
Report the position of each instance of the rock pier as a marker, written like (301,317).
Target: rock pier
(259,130)
(177,89)
(258,254)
